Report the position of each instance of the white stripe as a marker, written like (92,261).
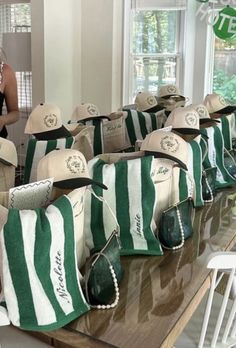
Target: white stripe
(212,153)
(148,121)
(135,204)
(109,177)
(40,149)
(43,309)
(190,172)
(8,288)
(57,257)
(87,209)
(136,124)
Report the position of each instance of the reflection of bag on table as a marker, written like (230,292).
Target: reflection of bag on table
(208,184)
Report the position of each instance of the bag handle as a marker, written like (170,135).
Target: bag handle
(103,200)
(210,190)
(114,279)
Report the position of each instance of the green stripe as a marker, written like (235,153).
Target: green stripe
(154,121)
(130,128)
(122,205)
(197,172)
(97,223)
(69,142)
(13,240)
(219,145)
(183,187)
(226,132)
(29,159)
(142,124)
(51,145)
(64,206)
(148,202)
(97,146)
(42,261)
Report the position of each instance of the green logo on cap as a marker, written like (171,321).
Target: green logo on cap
(225,26)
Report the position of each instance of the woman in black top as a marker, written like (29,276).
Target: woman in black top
(8,92)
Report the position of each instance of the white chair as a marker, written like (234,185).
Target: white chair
(216,313)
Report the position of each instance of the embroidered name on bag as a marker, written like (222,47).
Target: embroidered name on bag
(61,290)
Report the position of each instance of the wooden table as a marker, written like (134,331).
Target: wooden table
(159,294)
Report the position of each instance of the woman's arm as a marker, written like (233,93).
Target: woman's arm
(11,98)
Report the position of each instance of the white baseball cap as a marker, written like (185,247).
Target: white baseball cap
(203,114)
(169,91)
(68,167)
(45,123)
(86,111)
(216,103)
(184,120)
(146,102)
(8,154)
(166,144)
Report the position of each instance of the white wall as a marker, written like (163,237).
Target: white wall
(56,53)
(102,53)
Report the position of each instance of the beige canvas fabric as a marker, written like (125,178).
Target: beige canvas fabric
(114,132)
(77,198)
(8,154)
(84,140)
(84,111)
(7,177)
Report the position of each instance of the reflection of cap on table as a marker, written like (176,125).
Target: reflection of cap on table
(68,167)
(45,123)
(168,145)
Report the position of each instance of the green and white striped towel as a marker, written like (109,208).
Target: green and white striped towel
(131,196)
(215,156)
(195,168)
(139,124)
(98,143)
(40,277)
(37,149)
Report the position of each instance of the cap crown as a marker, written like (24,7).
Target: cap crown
(85,110)
(62,165)
(201,110)
(183,118)
(214,102)
(168,90)
(145,101)
(45,117)
(8,154)
(167,143)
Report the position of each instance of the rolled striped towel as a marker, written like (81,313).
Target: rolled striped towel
(40,277)
(215,156)
(131,196)
(37,149)
(139,124)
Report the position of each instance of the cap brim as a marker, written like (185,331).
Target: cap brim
(227,110)
(77,182)
(61,132)
(6,162)
(172,95)
(207,120)
(187,130)
(154,109)
(163,155)
(93,118)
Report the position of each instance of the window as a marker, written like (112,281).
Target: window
(155,48)
(224,69)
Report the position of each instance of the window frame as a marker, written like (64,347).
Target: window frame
(128,55)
